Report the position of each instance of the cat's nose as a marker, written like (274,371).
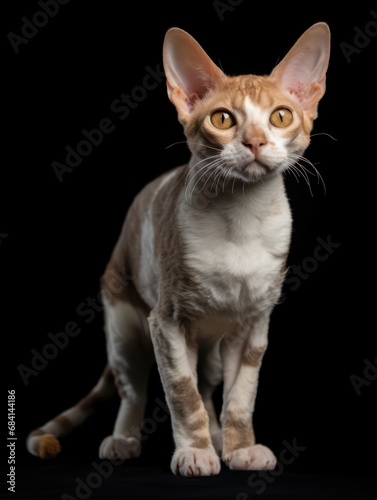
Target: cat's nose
(255,139)
(255,144)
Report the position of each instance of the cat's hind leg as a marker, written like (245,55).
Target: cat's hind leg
(44,441)
(130,357)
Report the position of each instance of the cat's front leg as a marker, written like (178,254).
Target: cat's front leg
(242,357)
(176,359)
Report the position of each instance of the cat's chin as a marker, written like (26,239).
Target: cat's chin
(254,171)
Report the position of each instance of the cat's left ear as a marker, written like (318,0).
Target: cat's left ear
(303,70)
(190,73)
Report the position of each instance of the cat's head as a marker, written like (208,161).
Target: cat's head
(249,126)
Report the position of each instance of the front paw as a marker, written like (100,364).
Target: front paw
(257,457)
(195,462)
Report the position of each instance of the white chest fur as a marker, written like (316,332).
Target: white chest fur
(236,246)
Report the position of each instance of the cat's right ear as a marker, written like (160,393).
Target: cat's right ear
(303,70)
(190,73)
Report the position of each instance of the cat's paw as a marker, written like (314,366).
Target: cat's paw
(48,446)
(257,457)
(195,462)
(117,447)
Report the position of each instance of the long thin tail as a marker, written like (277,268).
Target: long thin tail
(43,442)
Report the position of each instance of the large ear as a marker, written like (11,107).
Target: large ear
(190,73)
(303,70)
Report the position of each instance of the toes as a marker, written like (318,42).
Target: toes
(195,462)
(118,447)
(48,446)
(257,457)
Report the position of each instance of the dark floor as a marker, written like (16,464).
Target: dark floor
(97,479)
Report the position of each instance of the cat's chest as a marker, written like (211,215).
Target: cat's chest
(236,257)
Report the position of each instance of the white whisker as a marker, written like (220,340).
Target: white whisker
(324,133)
(215,167)
(308,162)
(296,168)
(196,173)
(212,165)
(196,143)
(217,176)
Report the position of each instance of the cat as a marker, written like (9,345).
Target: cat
(201,259)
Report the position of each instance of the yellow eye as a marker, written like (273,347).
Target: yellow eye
(281,117)
(222,119)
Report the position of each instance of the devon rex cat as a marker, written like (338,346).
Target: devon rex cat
(206,246)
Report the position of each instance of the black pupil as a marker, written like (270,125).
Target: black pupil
(224,116)
(281,114)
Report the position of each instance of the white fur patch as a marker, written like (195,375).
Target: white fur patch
(275,151)
(239,248)
(256,115)
(149,282)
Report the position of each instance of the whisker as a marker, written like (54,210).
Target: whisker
(175,143)
(324,133)
(222,172)
(299,169)
(234,180)
(192,168)
(228,172)
(197,143)
(217,176)
(295,166)
(214,174)
(209,167)
(205,167)
(319,176)
(190,196)
(214,171)
(213,166)
(290,170)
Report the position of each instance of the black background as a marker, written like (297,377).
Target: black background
(57,236)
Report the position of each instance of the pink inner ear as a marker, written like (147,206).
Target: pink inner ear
(306,68)
(194,97)
(189,71)
(303,69)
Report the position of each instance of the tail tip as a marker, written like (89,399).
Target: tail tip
(48,446)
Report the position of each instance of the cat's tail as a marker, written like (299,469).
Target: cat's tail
(43,442)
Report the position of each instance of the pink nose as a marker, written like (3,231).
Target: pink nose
(255,144)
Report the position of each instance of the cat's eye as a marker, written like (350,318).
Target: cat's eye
(222,119)
(281,117)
